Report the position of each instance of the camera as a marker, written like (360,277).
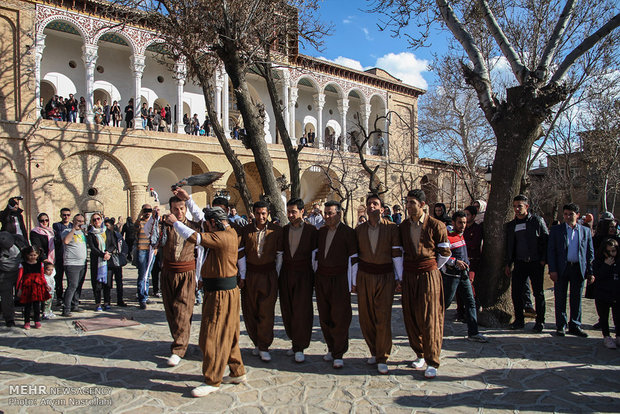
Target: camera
(20,198)
(148,210)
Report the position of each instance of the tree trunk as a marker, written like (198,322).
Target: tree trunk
(292,153)
(515,138)
(253,123)
(232,158)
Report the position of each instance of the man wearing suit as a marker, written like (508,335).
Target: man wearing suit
(570,255)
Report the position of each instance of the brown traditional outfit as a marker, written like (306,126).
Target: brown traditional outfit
(258,297)
(375,284)
(178,286)
(423,308)
(220,325)
(337,252)
(296,284)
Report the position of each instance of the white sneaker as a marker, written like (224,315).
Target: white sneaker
(255,351)
(203,390)
(328,357)
(299,357)
(264,356)
(609,342)
(372,360)
(290,352)
(418,363)
(174,360)
(382,368)
(430,373)
(338,363)
(234,380)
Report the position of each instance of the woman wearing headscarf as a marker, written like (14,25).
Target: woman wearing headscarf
(481,205)
(100,273)
(42,236)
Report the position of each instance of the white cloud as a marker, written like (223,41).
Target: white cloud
(348,19)
(367,34)
(345,61)
(406,67)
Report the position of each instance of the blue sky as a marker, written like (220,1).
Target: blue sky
(358,43)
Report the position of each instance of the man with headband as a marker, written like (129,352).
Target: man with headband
(220,325)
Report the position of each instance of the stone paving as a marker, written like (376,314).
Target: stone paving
(124,370)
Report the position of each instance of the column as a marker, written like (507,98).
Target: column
(365,113)
(89,57)
(137,67)
(386,134)
(286,78)
(38,55)
(219,80)
(319,102)
(225,104)
(137,197)
(179,74)
(343,107)
(292,101)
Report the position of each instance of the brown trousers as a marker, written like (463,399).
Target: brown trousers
(219,336)
(296,306)
(334,302)
(178,292)
(375,294)
(423,311)
(258,302)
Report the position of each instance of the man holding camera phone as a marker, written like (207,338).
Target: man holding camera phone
(143,251)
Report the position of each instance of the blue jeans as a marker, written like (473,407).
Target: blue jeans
(461,285)
(72,116)
(572,275)
(144,270)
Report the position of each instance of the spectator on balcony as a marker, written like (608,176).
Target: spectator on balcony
(129,114)
(235,132)
(168,118)
(62,109)
(82,109)
(98,111)
(186,122)
(106,113)
(207,127)
(303,141)
(144,115)
(71,105)
(195,124)
(115,113)
(156,121)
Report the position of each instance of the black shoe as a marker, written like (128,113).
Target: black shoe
(66,314)
(142,305)
(538,327)
(77,309)
(597,325)
(10,324)
(516,325)
(121,304)
(577,331)
(560,332)
(148,302)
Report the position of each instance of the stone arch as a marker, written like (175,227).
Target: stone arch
(119,32)
(171,168)
(379,96)
(314,184)
(356,92)
(48,90)
(309,124)
(84,33)
(86,178)
(336,86)
(109,88)
(311,79)
(153,41)
(254,183)
(63,85)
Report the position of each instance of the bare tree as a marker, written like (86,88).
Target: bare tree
(541,41)
(344,178)
(453,126)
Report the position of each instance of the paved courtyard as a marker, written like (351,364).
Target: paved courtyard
(59,369)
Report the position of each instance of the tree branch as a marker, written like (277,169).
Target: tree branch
(519,70)
(554,40)
(483,86)
(586,45)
